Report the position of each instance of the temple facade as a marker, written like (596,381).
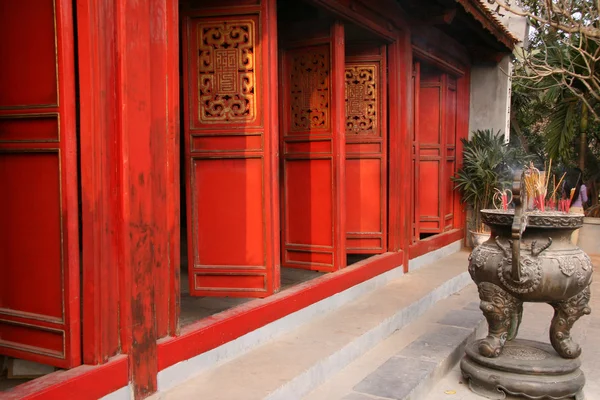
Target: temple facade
(164,162)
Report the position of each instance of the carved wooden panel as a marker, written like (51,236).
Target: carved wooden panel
(362,99)
(309,90)
(312,153)
(366,149)
(226,71)
(228,157)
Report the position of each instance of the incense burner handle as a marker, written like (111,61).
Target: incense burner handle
(519,223)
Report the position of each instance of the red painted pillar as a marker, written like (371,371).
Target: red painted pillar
(100,204)
(462,131)
(145,120)
(400,112)
(128,67)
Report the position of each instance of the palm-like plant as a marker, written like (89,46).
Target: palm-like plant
(486,167)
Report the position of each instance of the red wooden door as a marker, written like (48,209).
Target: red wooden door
(366,149)
(434,149)
(312,148)
(228,155)
(429,181)
(39,251)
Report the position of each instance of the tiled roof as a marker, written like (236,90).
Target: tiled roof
(482,13)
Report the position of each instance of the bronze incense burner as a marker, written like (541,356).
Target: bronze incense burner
(528,258)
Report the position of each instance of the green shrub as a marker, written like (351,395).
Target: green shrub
(487,162)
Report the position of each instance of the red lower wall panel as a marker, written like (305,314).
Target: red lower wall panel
(434,242)
(82,383)
(215,331)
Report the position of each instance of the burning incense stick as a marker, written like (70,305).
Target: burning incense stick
(536,185)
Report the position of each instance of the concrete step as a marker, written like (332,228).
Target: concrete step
(412,360)
(293,364)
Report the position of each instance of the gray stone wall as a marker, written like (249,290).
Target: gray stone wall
(490,84)
(490,97)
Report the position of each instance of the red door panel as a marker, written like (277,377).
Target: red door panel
(366,150)
(312,154)
(434,146)
(450,151)
(39,255)
(228,156)
(415,159)
(429,178)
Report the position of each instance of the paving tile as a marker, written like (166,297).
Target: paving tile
(436,345)
(472,306)
(360,396)
(396,378)
(463,318)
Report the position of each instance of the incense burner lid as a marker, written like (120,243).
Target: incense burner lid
(534,219)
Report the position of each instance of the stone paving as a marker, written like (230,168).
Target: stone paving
(415,363)
(426,368)
(412,360)
(288,359)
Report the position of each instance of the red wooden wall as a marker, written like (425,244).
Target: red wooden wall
(39,251)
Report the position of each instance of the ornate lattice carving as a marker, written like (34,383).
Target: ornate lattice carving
(226,71)
(362,99)
(309,90)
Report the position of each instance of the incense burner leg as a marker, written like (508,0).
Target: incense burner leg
(501,310)
(566,313)
(515,322)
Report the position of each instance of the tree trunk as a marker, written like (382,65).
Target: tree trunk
(583,136)
(517,128)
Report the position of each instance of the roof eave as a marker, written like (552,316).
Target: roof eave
(489,22)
